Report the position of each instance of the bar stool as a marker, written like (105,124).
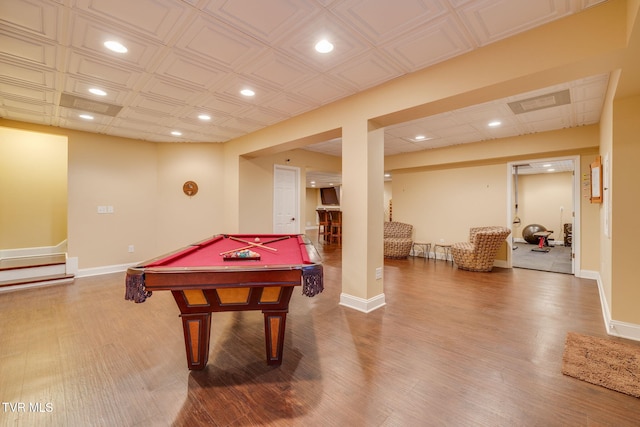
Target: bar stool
(324,224)
(336,226)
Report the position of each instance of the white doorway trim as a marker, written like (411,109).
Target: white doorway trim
(575,247)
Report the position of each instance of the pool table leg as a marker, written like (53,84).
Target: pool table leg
(274,323)
(197,331)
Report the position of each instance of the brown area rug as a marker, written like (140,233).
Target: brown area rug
(603,362)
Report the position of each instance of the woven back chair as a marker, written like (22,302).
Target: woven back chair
(479,253)
(397,239)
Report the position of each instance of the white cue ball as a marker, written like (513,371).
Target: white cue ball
(257,239)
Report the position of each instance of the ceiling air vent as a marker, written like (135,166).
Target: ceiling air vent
(89,105)
(555,99)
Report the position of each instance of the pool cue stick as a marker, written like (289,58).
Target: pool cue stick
(235,250)
(260,245)
(275,240)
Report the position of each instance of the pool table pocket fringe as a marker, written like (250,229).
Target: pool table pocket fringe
(135,288)
(312,280)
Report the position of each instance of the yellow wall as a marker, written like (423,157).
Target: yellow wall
(33,185)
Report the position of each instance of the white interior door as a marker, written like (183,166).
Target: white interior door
(286,203)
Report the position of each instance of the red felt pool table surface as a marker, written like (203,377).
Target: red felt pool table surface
(274,250)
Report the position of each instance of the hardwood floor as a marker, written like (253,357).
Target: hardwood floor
(450,348)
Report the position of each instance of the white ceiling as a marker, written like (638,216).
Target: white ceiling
(193,56)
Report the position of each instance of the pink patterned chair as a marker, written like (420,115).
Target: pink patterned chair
(479,253)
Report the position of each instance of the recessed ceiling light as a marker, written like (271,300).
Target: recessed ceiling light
(247,92)
(96,91)
(176,133)
(324,46)
(546,165)
(494,123)
(419,138)
(115,46)
(204,117)
(551,170)
(86,116)
(387,175)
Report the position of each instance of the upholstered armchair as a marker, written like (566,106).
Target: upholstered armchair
(397,239)
(479,253)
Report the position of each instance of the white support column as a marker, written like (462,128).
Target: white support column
(363,215)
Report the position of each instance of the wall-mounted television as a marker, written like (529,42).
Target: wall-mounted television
(330,196)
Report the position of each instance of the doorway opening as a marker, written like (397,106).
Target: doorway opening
(544,210)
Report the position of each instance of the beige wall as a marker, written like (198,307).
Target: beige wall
(545,199)
(606,144)
(625,290)
(472,180)
(312,201)
(181,219)
(33,185)
(117,172)
(589,222)
(142,181)
(443,204)
(256,182)
(135,177)
(388,194)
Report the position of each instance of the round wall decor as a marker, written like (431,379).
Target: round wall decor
(190,188)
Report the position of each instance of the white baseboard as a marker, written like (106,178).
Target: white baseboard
(616,328)
(500,263)
(108,269)
(36,251)
(72,265)
(360,304)
(589,274)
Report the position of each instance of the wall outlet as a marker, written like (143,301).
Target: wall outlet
(102,209)
(378,273)
(441,240)
(110,209)
(131,249)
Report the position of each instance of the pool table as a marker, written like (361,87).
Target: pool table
(231,273)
